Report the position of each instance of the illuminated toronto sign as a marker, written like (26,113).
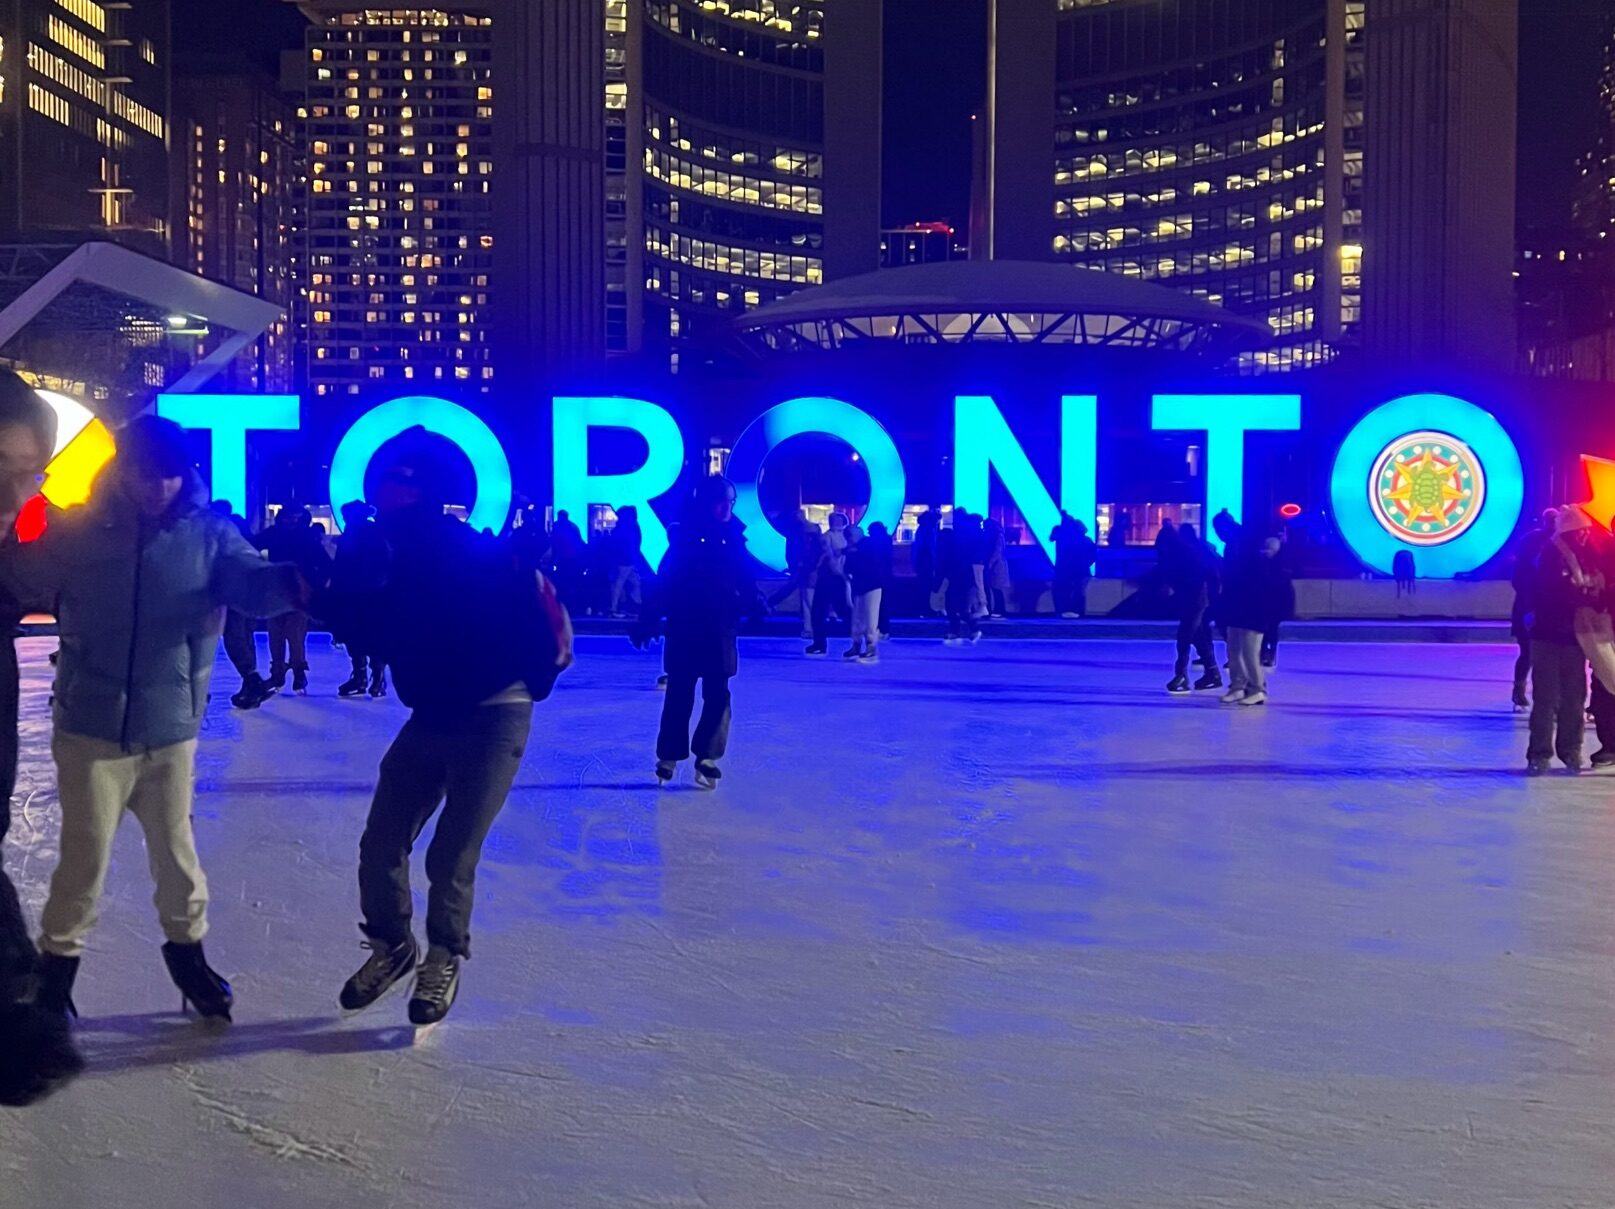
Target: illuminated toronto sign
(1428,473)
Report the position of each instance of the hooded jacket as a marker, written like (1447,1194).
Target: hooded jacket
(703,592)
(139,607)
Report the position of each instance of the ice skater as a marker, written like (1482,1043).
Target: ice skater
(1074,554)
(361,558)
(1190,569)
(830,593)
(293,539)
(471,708)
(703,593)
(959,591)
(1570,574)
(37,1054)
(137,579)
(240,633)
(869,569)
(1525,566)
(1252,599)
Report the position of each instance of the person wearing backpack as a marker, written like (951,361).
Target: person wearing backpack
(471,709)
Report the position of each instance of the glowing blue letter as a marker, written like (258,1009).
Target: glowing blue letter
(1225,419)
(1431,475)
(229,418)
(888,486)
(983,442)
(449,421)
(576,488)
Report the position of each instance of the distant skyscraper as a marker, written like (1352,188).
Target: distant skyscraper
(84,107)
(548,305)
(1594,200)
(1439,181)
(1310,162)
(743,158)
(400,228)
(239,179)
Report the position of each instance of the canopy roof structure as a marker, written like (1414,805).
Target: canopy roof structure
(98,288)
(998,302)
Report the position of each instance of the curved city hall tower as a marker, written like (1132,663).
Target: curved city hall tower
(1343,169)
(746,161)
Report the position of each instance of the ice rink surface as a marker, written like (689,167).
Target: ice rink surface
(1003,926)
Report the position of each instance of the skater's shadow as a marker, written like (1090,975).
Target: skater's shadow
(118,1044)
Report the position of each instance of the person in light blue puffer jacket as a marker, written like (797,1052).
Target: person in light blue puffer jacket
(139,580)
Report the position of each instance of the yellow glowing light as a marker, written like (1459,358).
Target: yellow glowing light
(72,472)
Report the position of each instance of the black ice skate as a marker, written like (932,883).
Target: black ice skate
(39,1055)
(707,774)
(436,987)
(386,966)
(1178,686)
(255,690)
(53,985)
(277,676)
(378,686)
(300,681)
(817,650)
(664,772)
(1209,680)
(199,984)
(383,969)
(354,686)
(1522,703)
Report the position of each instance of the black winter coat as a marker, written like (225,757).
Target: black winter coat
(439,576)
(703,592)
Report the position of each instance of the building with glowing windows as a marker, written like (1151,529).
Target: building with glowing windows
(743,159)
(84,118)
(1341,169)
(239,185)
(400,231)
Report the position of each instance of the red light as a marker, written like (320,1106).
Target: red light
(31,520)
(1290,511)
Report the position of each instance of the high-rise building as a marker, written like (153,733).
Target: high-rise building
(1593,202)
(743,158)
(239,179)
(399,128)
(1439,185)
(1342,169)
(84,110)
(549,278)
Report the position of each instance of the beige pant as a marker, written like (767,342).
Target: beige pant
(98,782)
(866,619)
(1245,668)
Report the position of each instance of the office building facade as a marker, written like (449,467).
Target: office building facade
(743,159)
(1293,160)
(239,181)
(84,121)
(399,131)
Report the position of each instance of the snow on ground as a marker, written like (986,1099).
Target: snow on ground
(982,928)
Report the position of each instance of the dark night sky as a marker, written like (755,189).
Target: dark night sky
(934,62)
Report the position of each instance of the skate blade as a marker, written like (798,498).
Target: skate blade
(422,1034)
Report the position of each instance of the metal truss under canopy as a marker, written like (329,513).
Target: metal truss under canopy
(100,288)
(998,302)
